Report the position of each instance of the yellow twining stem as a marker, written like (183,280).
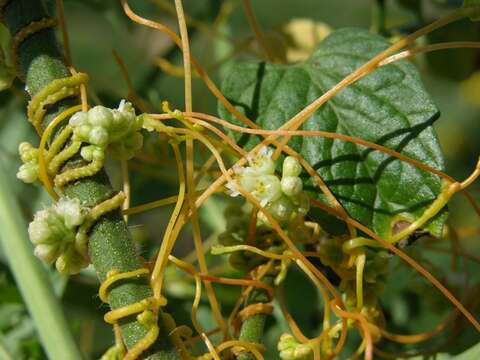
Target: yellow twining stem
(57,144)
(43,173)
(24,33)
(238,347)
(254,309)
(78,173)
(449,189)
(218,250)
(61,158)
(147,310)
(114,276)
(350,245)
(55,91)
(198,289)
(156,278)
(360,264)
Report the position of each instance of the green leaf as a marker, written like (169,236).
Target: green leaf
(389,107)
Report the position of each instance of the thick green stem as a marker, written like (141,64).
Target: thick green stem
(110,244)
(252,328)
(32,279)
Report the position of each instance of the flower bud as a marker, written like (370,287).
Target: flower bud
(281,209)
(79,118)
(98,136)
(28,173)
(100,116)
(292,185)
(291,167)
(46,252)
(291,349)
(27,152)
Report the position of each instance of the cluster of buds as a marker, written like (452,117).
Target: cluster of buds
(283,197)
(291,349)
(28,172)
(53,232)
(101,127)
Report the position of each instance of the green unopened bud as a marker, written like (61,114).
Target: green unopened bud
(79,118)
(291,349)
(28,172)
(27,152)
(98,136)
(71,262)
(291,167)
(92,152)
(100,116)
(292,185)
(281,209)
(47,252)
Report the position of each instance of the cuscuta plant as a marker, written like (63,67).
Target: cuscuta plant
(258,296)
(435,208)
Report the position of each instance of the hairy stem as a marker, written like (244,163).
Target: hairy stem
(252,328)
(110,244)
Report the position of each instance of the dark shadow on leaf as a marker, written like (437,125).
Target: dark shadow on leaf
(411,133)
(345,200)
(252,111)
(349,181)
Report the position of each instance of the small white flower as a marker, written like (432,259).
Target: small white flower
(262,163)
(232,188)
(71,210)
(267,189)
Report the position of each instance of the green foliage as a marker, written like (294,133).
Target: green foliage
(389,107)
(17,332)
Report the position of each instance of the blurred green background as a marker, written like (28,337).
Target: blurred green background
(220,33)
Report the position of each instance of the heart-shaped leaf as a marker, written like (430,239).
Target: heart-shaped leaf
(389,107)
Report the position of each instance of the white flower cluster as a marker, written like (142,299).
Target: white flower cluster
(53,232)
(28,172)
(283,198)
(291,349)
(101,127)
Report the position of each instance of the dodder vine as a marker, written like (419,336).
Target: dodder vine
(275,228)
